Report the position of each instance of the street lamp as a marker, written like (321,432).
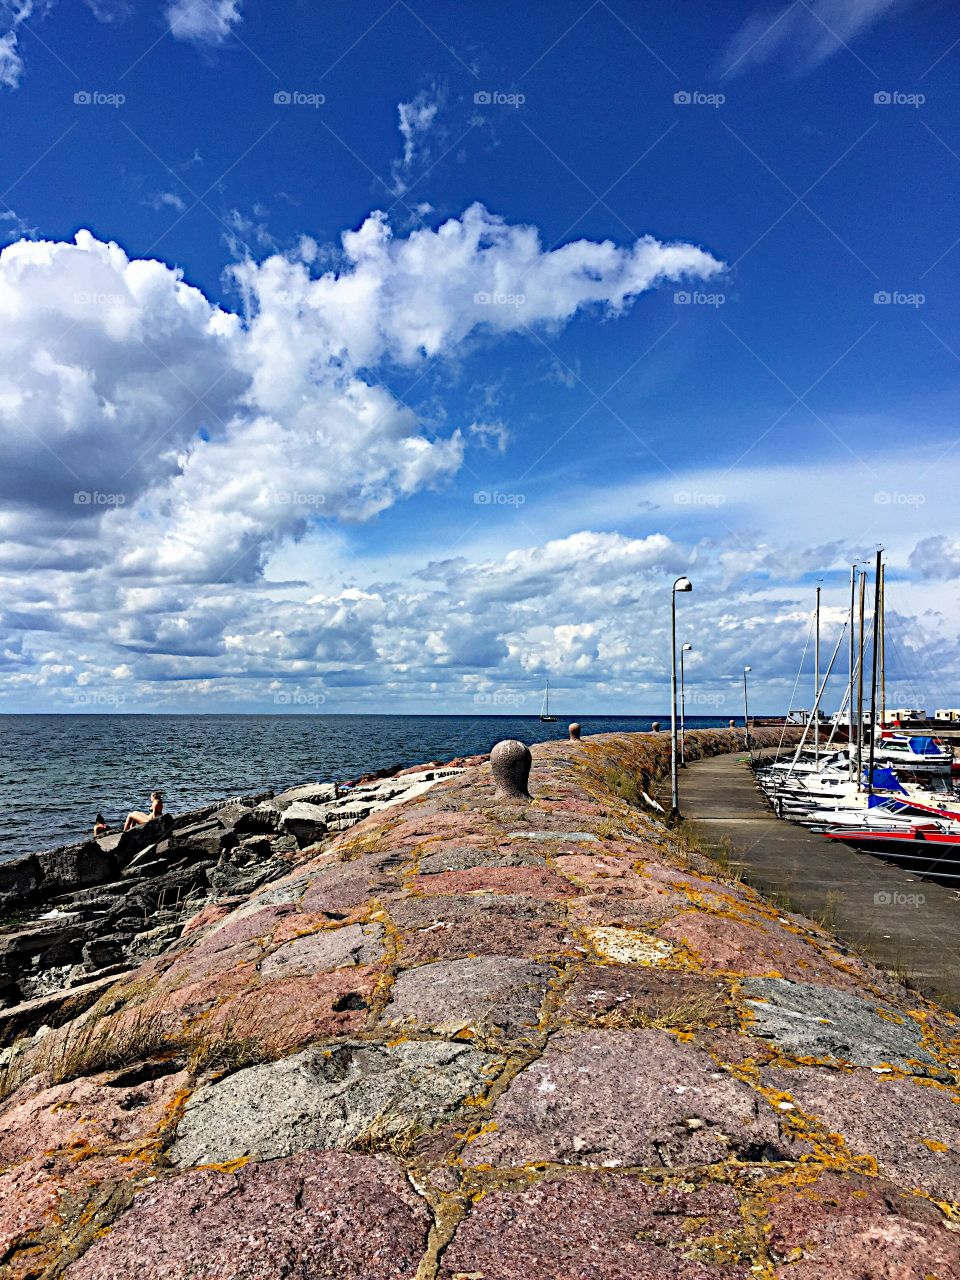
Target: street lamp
(683,702)
(746,713)
(681,584)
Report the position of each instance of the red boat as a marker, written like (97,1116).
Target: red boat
(921,842)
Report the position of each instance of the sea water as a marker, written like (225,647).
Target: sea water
(58,771)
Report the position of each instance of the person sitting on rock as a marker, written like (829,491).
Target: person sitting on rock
(137,819)
(100,827)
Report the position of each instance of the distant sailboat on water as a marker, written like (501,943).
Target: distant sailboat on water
(545,715)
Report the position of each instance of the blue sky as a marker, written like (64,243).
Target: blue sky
(650,291)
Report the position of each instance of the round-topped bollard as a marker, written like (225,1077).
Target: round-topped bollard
(510,761)
(733,724)
(574,732)
(655,726)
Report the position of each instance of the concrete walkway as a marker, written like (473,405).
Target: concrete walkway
(908,925)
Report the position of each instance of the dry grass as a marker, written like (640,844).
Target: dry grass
(687,1013)
(627,784)
(721,853)
(827,918)
(97,1044)
(92,1045)
(233,1046)
(395,1136)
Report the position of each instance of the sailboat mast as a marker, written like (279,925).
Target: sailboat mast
(816,682)
(863,590)
(853,588)
(873,671)
(883,644)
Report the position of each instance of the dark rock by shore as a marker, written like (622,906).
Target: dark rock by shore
(77,914)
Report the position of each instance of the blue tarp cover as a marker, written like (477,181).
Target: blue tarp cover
(886,779)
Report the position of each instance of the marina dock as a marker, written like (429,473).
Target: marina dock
(905,923)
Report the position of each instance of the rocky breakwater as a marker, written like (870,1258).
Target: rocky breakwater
(505,1029)
(73,917)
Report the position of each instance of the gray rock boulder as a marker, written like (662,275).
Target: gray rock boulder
(74,867)
(131,842)
(262,819)
(495,996)
(309,793)
(19,880)
(307,823)
(326,1098)
(807,1020)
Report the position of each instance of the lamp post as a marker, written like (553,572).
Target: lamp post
(685,648)
(681,584)
(746,712)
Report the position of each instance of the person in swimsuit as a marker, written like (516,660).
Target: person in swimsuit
(100,827)
(137,819)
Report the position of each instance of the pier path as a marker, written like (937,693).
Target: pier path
(907,924)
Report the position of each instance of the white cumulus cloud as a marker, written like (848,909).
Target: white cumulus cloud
(157,450)
(204,21)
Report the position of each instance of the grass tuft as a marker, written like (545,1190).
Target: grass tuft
(688,1013)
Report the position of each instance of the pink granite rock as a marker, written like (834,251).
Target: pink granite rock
(607,874)
(599,1227)
(495,932)
(288,1012)
(300,923)
(212,913)
(631,912)
(620,1098)
(315,1214)
(838,1228)
(60,1144)
(344,887)
(682,999)
(417,824)
(495,996)
(910,1127)
(239,927)
(339,948)
(533,882)
(725,945)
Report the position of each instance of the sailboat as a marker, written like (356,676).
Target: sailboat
(888,789)
(545,715)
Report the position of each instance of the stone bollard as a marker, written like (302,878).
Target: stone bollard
(733,724)
(574,732)
(510,761)
(655,726)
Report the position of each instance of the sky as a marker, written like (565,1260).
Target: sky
(398,357)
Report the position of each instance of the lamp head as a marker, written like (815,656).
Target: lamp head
(683,584)
(746,669)
(686,648)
